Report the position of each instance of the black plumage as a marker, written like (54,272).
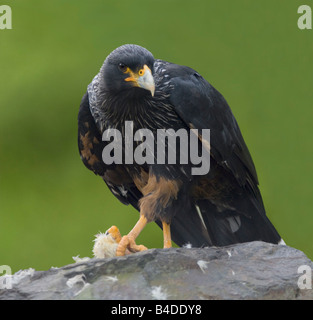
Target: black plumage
(219,208)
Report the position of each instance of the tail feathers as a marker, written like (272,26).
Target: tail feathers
(203,225)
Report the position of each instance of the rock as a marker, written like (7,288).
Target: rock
(254,270)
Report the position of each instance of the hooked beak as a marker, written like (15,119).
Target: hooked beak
(143,79)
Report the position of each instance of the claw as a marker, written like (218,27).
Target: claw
(115,233)
(128,243)
(111,244)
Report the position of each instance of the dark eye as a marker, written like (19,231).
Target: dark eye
(122,67)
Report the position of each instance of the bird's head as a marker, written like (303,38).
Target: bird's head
(129,67)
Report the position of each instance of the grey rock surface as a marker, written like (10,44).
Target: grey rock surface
(254,270)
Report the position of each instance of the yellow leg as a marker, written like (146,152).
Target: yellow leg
(128,242)
(167,235)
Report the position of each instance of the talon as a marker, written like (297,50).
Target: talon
(115,233)
(128,245)
(122,246)
(128,242)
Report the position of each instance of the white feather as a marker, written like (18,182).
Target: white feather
(158,293)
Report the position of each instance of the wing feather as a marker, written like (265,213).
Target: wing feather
(201,106)
(90,148)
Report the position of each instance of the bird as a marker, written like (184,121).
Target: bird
(219,207)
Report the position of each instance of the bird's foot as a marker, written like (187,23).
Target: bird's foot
(128,245)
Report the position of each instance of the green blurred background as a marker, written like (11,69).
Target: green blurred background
(251,51)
